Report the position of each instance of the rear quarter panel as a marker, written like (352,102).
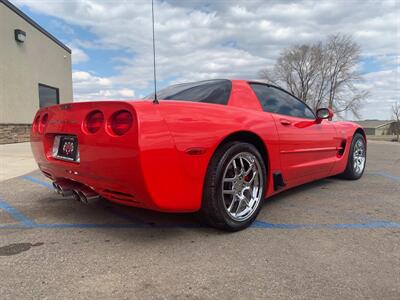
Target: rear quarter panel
(168,130)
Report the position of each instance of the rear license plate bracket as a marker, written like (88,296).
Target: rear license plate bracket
(65,147)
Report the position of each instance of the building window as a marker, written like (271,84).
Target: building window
(48,95)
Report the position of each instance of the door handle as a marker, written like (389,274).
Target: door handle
(285,122)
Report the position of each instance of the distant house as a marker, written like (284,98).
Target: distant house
(378,127)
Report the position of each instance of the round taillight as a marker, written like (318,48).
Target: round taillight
(94,121)
(121,122)
(35,124)
(43,123)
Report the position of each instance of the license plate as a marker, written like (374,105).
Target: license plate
(65,147)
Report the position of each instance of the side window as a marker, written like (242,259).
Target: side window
(279,102)
(48,95)
(215,91)
(212,92)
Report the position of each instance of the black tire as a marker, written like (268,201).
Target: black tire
(350,171)
(213,210)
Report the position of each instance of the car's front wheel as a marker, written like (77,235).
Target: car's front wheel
(234,187)
(357,158)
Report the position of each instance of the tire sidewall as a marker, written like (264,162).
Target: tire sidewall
(356,137)
(235,149)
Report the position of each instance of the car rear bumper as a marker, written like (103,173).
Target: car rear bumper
(108,164)
(142,167)
(118,179)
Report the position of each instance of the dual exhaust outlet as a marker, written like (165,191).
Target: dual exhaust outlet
(78,192)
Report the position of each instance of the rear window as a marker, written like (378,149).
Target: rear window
(208,91)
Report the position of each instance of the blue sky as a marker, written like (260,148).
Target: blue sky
(99,60)
(111,41)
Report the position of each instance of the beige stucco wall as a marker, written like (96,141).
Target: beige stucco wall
(24,65)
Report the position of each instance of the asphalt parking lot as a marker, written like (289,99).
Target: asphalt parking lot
(331,239)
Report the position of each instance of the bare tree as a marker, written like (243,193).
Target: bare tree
(321,74)
(296,68)
(396,117)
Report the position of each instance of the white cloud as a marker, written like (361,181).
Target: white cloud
(78,55)
(126,93)
(198,40)
(59,26)
(82,78)
(384,88)
(90,87)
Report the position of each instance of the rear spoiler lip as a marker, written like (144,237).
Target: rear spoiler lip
(94,102)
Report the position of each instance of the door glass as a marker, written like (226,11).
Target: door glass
(278,101)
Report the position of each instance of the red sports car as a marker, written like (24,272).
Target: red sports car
(217,147)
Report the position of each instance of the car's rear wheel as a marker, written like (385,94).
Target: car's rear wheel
(234,187)
(357,158)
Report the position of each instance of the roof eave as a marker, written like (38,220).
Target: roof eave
(34,24)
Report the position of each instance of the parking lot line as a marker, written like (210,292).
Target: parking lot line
(25,222)
(370,225)
(15,214)
(256,224)
(387,175)
(38,181)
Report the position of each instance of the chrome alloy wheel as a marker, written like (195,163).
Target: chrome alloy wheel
(242,186)
(359,156)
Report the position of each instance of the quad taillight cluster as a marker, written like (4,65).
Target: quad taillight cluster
(118,124)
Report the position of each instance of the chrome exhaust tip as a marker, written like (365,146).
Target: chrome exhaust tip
(57,188)
(66,193)
(76,196)
(63,190)
(87,197)
(79,192)
(82,197)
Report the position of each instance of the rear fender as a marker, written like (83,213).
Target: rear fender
(196,130)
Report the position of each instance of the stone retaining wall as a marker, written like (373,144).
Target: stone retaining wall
(14,133)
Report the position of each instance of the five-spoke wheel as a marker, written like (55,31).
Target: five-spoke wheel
(234,187)
(242,186)
(357,158)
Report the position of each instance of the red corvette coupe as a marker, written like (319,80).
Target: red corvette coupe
(218,147)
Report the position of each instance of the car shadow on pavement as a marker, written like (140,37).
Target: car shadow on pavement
(153,219)
(53,210)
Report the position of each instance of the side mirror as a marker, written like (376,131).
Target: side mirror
(324,113)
